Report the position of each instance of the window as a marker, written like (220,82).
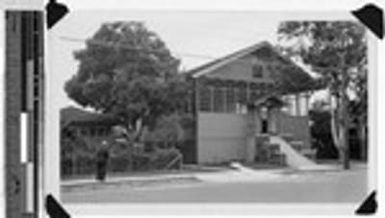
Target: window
(83,131)
(304,105)
(219,103)
(242,95)
(254,94)
(293,105)
(92,132)
(205,99)
(257,71)
(101,132)
(230,100)
(286,107)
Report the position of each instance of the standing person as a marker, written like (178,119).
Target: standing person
(102,156)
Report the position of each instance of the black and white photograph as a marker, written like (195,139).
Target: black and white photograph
(209,107)
(127,108)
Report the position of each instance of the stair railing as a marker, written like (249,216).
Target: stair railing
(178,157)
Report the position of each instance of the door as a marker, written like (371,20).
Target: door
(264,125)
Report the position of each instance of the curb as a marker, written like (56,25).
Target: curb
(132,180)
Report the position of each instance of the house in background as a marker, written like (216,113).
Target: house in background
(252,106)
(81,134)
(89,127)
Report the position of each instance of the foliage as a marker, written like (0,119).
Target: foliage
(127,70)
(358,106)
(321,134)
(338,51)
(161,158)
(170,131)
(167,129)
(320,105)
(73,146)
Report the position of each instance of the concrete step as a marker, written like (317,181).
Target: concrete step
(262,137)
(287,136)
(273,148)
(293,158)
(277,159)
(297,145)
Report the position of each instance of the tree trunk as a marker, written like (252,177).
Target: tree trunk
(139,130)
(344,132)
(334,123)
(339,129)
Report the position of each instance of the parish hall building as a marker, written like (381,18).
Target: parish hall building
(252,106)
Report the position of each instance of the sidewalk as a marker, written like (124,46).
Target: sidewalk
(125,179)
(142,177)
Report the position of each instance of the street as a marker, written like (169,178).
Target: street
(312,187)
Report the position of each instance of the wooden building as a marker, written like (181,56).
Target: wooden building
(252,93)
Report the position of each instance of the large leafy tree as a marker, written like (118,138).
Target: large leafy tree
(127,70)
(168,130)
(337,50)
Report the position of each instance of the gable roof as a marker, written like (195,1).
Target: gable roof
(291,77)
(212,65)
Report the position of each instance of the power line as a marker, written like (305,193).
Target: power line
(110,44)
(104,43)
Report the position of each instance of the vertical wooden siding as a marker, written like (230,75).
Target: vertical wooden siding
(222,137)
(298,126)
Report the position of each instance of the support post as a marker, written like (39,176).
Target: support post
(211,99)
(297,105)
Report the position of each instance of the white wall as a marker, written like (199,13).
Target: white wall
(51,151)
(221,137)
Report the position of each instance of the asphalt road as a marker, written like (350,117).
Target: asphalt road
(311,187)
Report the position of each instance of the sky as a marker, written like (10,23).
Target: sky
(193,37)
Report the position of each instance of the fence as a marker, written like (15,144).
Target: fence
(78,165)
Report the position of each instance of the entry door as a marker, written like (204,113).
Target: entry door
(269,122)
(264,118)
(264,125)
